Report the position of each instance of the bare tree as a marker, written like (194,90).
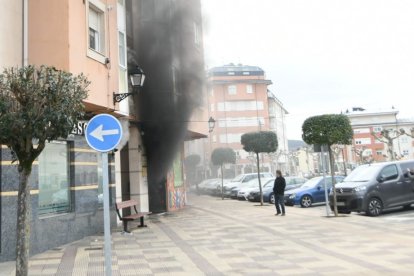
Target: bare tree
(387,136)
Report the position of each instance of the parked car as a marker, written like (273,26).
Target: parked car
(243,192)
(292,182)
(209,186)
(312,191)
(375,187)
(239,180)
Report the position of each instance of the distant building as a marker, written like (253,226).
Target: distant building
(366,147)
(240,102)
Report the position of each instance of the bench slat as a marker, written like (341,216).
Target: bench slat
(126,204)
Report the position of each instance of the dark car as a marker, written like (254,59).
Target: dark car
(292,182)
(312,191)
(375,187)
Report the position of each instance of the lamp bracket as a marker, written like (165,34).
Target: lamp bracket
(117,97)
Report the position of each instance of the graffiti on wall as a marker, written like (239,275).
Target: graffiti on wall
(175,186)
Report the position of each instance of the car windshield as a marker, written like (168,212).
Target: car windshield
(311,183)
(238,178)
(363,173)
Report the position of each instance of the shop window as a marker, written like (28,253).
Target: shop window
(54,193)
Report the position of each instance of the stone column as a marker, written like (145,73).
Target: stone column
(138,170)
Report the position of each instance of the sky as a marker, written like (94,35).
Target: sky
(323,56)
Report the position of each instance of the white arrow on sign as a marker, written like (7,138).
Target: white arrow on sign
(99,133)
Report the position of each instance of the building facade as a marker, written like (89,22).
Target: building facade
(66,180)
(369,145)
(277,124)
(105,40)
(239,102)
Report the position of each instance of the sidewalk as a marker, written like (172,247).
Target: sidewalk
(215,237)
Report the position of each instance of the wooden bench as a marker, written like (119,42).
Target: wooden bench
(129,204)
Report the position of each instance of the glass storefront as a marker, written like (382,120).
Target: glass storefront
(54,193)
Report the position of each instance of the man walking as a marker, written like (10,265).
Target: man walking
(279,192)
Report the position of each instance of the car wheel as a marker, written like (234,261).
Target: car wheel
(374,207)
(306,201)
(272,198)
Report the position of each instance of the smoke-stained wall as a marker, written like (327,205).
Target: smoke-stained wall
(164,38)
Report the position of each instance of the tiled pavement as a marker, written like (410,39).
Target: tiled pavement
(215,237)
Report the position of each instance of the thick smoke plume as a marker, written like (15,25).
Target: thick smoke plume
(173,63)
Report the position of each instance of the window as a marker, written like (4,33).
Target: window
(379,152)
(240,106)
(232,89)
(122,54)
(212,107)
(197,33)
(363,141)
(96,30)
(54,195)
(249,89)
(377,129)
(230,138)
(389,172)
(406,152)
(404,140)
(122,49)
(361,130)
(242,122)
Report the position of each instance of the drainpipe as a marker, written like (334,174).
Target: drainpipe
(25,32)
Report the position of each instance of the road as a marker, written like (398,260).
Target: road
(229,237)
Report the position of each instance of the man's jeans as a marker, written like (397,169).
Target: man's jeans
(280,203)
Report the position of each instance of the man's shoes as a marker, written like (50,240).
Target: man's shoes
(277,214)
(283,214)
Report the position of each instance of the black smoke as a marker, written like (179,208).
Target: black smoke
(164,42)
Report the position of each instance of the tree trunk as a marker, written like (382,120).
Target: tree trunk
(391,151)
(258,176)
(23,222)
(332,164)
(222,195)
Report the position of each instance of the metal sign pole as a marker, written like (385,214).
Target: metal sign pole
(107,219)
(103,134)
(324,180)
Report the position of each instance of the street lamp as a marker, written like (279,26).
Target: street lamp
(137,78)
(211,124)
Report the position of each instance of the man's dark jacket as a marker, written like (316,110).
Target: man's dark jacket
(279,186)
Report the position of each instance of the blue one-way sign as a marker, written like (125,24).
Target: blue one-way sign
(103,132)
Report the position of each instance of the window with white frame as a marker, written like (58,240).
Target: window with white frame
(230,138)
(54,184)
(363,141)
(197,33)
(361,130)
(404,140)
(242,122)
(232,89)
(122,54)
(406,152)
(96,30)
(240,106)
(249,89)
(377,129)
